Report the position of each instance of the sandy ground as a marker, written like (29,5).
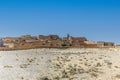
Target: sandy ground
(60,64)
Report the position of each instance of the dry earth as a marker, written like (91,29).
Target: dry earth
(60,64)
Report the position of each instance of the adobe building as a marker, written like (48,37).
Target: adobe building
(90,44)
(79,42)
(79,39)
(109,44)
(21,45)
(54,44)
(66,43)
(28,38)
(15,42)
(42,37)
(24,45)
(49,37)
(10,41)
(51,41)
(117,46)
(1,43)
(75,42)
(102,44)
(53,37)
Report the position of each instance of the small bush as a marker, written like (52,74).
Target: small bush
(117,76)
(7,66)
(94,75)
(23,65)
(64,74)
(44,78)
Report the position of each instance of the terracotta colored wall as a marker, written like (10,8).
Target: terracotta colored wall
(91,45)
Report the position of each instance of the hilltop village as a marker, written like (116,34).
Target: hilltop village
(50,41)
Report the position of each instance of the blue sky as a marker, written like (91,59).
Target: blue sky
(97,20)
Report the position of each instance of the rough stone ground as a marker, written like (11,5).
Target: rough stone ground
(60,64)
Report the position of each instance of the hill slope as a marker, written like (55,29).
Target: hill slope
(60,64)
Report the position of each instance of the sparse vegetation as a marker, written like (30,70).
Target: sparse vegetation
(23,65)
(8,66)
(93,74)
(118,76)
(109,64)
(98,64)
(68,66)
(65,74)
(44,78)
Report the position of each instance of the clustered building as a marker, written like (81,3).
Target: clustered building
(50,41)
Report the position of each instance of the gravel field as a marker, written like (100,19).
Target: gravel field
(60,64)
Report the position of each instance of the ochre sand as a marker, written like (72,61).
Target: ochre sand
(60,64)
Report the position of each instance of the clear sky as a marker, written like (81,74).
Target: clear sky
(97,20)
